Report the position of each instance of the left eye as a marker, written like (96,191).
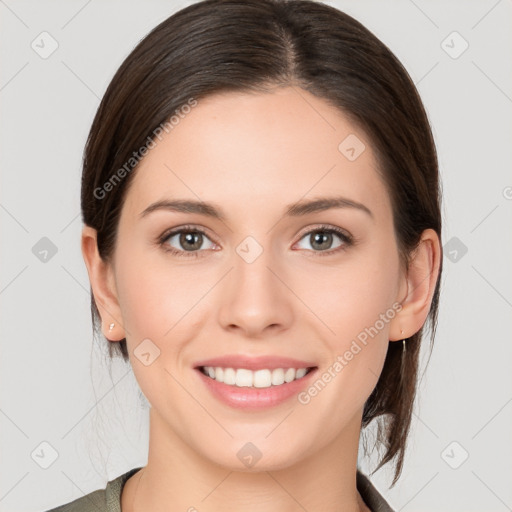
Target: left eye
(321,240)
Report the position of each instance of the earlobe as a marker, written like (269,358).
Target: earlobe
(103,286)
(420,283)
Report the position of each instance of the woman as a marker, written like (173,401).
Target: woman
(262,234)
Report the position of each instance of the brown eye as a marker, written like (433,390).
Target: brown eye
(183,241)
(322,240)
(191,241)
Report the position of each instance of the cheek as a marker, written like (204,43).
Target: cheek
(147,293)
(155,292)
(355,301)
(144,306)
(358,307)
(167,303)
(351,296)
(158,301)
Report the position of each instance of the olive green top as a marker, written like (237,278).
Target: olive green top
(109,499)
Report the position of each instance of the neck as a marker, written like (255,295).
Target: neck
(177,477)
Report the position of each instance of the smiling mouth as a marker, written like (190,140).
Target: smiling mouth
(264,378)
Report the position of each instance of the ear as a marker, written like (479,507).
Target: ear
(102,281)
(417,287)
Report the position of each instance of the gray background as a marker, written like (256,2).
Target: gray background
(55,385)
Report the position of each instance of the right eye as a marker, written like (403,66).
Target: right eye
(189,240)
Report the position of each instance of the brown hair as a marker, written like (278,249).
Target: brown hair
(238,45)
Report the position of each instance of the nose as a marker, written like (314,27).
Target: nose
(254,299)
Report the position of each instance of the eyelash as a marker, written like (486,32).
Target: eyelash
(347,240)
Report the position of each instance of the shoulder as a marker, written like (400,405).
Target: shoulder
(371,496)
(102,500)
(94,501)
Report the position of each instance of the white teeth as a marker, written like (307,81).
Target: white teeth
(300,373)
(262,378)
(265,378)
(243,377)
(229,376)
(289,375)
(278,377)
(219,374)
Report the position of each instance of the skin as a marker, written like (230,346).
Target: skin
(252,154)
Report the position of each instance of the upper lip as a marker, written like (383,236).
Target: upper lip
(254,363)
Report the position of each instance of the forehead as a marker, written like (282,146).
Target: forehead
(248,150)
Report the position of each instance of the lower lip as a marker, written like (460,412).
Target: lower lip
(255,398)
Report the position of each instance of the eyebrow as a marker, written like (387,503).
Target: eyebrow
(297,209)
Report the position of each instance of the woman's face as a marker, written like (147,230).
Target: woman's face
(261,281)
